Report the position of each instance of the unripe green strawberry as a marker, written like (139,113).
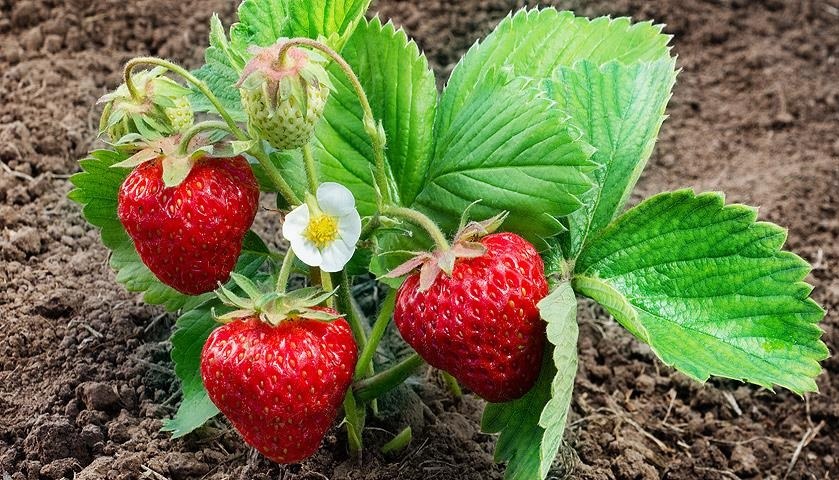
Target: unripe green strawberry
(161,108)
(481,323)
(284,98)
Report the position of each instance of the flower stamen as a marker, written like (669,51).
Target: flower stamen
(322,230)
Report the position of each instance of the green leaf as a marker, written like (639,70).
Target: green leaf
(316,18)
(534,43)
(511,148)
(262,22)
(619,109)
(193,329)
(223,65)
(97,187)
(403,96)
(531,427)
(709,289)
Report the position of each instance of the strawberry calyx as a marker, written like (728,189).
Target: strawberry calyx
(466,244)
(178,153)
(273,307)
(285,78)
(158,107)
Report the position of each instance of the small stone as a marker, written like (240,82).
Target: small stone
(59,469)
(184,465)
(743,461)
(32,40)
(53,43)
(28,240)
(98,396)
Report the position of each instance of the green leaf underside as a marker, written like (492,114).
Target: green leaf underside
(619,109)
(97,188)
(531,427)
(510,148)
(709,289)
(403,96)
(195,409)
(262,23)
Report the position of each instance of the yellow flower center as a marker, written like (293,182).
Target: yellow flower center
(322,230)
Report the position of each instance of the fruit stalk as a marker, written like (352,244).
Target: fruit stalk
(183,146)
(285,271)
(370,126)
(375,386)
(274,174)
(421,220)
(364,365)
(177,69)
(311,169)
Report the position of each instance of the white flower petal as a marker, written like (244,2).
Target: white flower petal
(307,252)
(336,255)
(335,199)
(296,222)
(349,227)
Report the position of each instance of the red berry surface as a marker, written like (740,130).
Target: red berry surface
(481,324)
(190,236)
(281,386)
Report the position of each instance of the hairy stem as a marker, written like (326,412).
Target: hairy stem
(311,168)
(345,302)
(380,383)
(421,220)
(364,364)
(184,73)
(187,137)
(370,126)
(454,387)
(326,284)
(285,271)
(274,174)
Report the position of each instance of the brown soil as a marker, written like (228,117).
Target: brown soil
(84,372)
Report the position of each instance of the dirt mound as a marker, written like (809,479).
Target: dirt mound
(85,377)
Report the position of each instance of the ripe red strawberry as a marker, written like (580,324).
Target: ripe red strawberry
(190,235)
(481,324)
(280,386)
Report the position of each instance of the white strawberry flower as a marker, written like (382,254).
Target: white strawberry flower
(324,230)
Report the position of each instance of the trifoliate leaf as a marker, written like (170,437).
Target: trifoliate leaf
(531,427)
(709,289)
(619,109)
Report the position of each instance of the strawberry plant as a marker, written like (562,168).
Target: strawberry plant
(485,210)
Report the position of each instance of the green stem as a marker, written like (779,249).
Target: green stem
(311,169)
(399,442)
(177,69)
(187,137)
(373,387)
(379,327)
(355,424)
(274,174)
(370,125)
(369,228)
(454,387)
(421,220)
(345,301)
(285,271)
(326,284)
